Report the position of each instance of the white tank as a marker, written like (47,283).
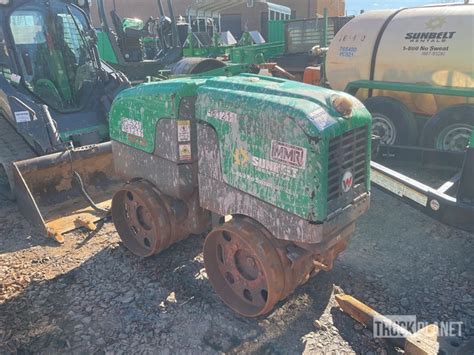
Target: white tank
(426,45)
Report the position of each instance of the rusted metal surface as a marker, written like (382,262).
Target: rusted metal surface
(51,198)
(423,342)
(277,71)
(149,222)
(251,270)
(141,219)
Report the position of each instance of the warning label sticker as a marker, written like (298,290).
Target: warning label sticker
(185,152)
(398,188)
(132,127)
(184,131)
(22,116)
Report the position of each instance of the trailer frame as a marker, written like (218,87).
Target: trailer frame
(451,204)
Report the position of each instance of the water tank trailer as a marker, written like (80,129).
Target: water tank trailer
(413,69)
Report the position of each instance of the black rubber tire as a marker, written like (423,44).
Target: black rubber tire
(399,115)
(462,114)
(196,65)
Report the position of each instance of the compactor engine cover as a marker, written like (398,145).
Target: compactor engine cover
(278,151)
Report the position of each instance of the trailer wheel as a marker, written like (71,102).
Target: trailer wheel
(141,219)
(243,266)
(450,129)
(392,121)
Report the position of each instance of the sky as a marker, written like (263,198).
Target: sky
(353,7)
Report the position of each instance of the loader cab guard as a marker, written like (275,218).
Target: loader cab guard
(53,46)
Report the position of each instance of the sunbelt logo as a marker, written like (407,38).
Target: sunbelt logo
(430,35)
(433,33)
(243,158)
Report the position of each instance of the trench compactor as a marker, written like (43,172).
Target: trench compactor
(276,172)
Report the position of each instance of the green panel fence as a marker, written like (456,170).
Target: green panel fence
(276,31)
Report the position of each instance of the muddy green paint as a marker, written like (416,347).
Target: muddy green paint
(268,109)
(250,113)
(148,103)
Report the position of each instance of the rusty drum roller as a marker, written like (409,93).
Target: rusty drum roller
(147,221)
(249,268)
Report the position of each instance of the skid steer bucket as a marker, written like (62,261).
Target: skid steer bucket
(55,191)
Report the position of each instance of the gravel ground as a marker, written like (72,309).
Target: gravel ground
(91,295)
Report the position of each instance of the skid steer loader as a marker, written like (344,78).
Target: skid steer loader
(123,48)
(55,95)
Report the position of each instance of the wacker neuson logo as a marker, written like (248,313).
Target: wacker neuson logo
(347,181)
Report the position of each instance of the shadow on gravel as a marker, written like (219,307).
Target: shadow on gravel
(91,234)
(293,318)
(346,328)
(107,301)
(16,233)
(357,336)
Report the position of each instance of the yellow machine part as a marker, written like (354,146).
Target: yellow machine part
(51,190)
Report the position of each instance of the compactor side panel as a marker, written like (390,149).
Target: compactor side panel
(274,139)
(264,152)
(153,128)
(136,111)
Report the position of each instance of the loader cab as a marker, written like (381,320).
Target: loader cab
(53,45)
(54,89)
(123,47)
